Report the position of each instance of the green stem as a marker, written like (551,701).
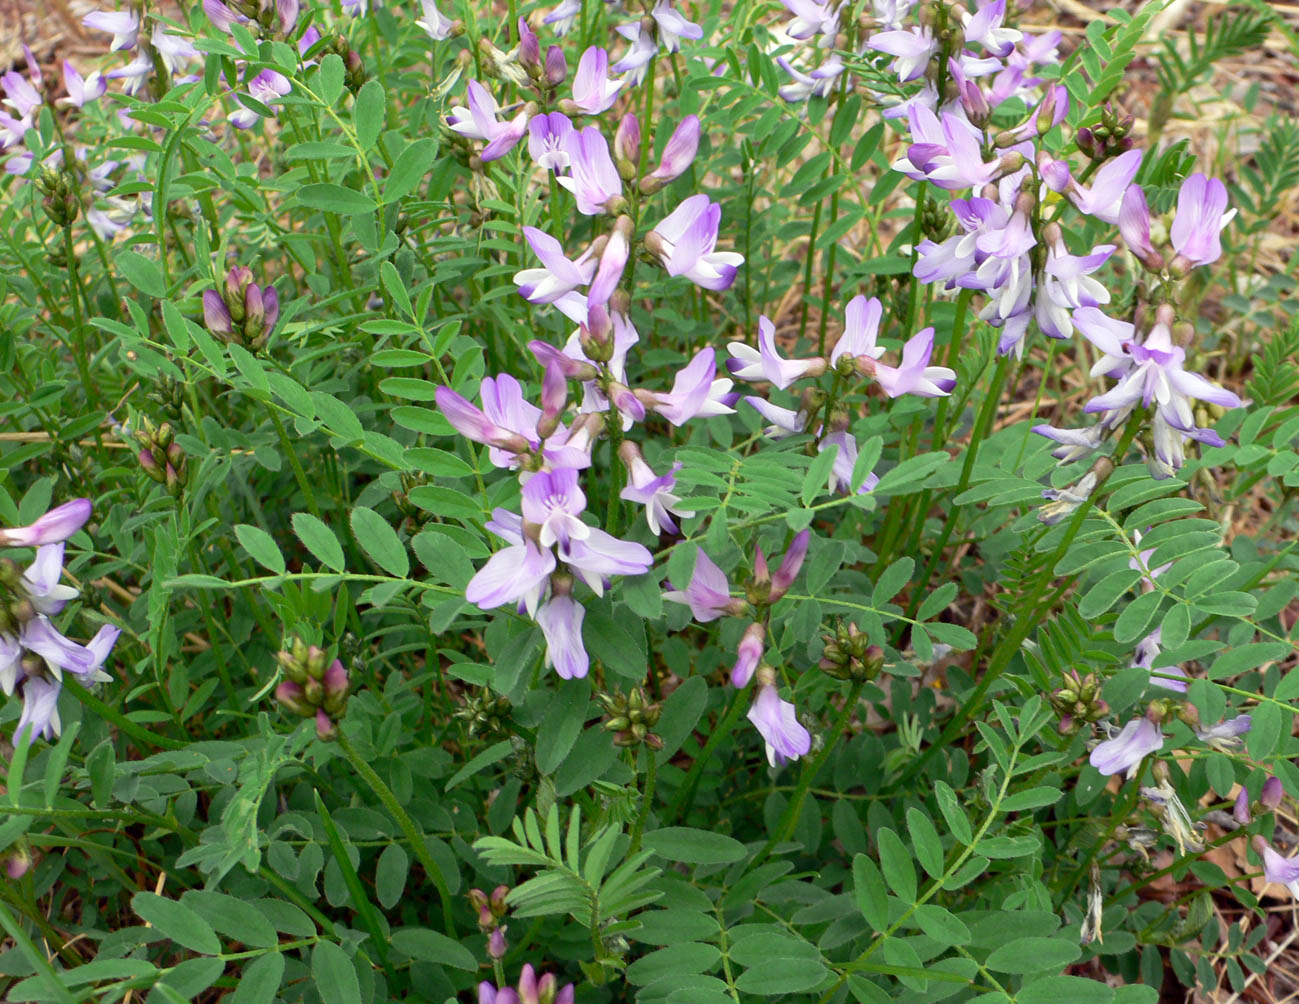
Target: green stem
(136,732)
(303,482)
(647,801)
(789,819)
(408,826)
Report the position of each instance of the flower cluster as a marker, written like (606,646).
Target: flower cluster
(532,989)
(34,655)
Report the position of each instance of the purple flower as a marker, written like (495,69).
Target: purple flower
(123,25)
(956,259)
(479,121)
(811,18)
(1201,216)
(594,179)
(1149,371)
(1104,199)
(553,501)
(685,243)
(1147,651)
(548,137)
(513,574)
(778,724)
(42,580)
(844,462)
(817,84)
(953,161)
(911,50)
(915,375)
(558,276)
(784,421)
(600,556)
(984,28)
(789,565)
(1067,285)
(267,87)
(435,24)
(694,392)
(612,262)
(563,16)
(81,90)
(40,714)
(1225,735)
(1134,225)
(54,527)
(23,97)
(680,151)
(652,491)
(221,16)
(709,593)
(507,423)
(764,363)
(748,655)
(560,619)
(1270,796)
(1282,871)
(861,328)
(673,26)
(635,61)
(1139,738)
(593,91)
(1240,810)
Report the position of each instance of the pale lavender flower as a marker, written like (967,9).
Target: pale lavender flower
(845,460)
(955,162)
(680,151)
(514,574)
(42,580)
(694,392)
(785,422)
(635,61)
(593,91)
(56,526)
(1272,793)
(685,242)
(507,424)
(594,180)
(1240,810)
(811,18)
(267,88)
(612,262)
(123,25)
(600,556)
(23,97)
(1201,216)
(175,51)
(553,501)
(651,490)
(778,724)
(1134,225)
(985,29)
(479,121)
(1074,443)
(1147,651)
(1067,285)
(1225,735)
(708,593)
(221,16)
(1104,199)
(748,654)
(819,83)
(911,50)
(356,8)
(955,261)
(673,26)
(548,138)
(81,90)
(1137,740)
(915,375)
(1282,871)
(40,714)
(560,619)
(861,328)
(436,25)
(564,16)
(39,636)
(1064,502)
(765,363)
(558,275)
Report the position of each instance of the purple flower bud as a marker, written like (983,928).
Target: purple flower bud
(709,593)
(496,943)
(528,985)
(54,527)
(556,66)
(748,655)
(1271,795)
(1201,216)
(1240,810)
(626,145)
(326,730)
(790,564)
(529,46)
(680,151)
(612,262)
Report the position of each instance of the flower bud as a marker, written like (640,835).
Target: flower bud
(1240,810)
(529,49)
(626,147)
(556,66)
(496,945)
(1271,795)
(678,155)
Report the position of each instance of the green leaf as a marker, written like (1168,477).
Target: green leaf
(176,921)
(1033,955)
(390,875)
(1136,616)
(259,981)
(818,473)
(233,917)
(925,840)
(1106,593)
(319,539)
(895,862)
(1033,798)
(869,892)
(773,977)
(380,541)
(334,974)
(559,729)
(696,847)
(330,79)
(261,546)
(410,167)
(1074,989)
(891,581)
(681,712)
(397,291)
(430,946)
(368,113)
(142,273)
(1269,721)
(332,198)
(957,821)
(941,925)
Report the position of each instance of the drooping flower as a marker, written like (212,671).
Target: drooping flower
(765,363)
(1137,740)
(514,574)
(651,490)
(792,561)
(685,241)
(1201,216)
(680,151)
(1104,199)
(911,49)
(695,393)
(1225,735)
(563,17)
(915,375)
(811,18)
(817,83)
(558,275)
(81,90)
(506,423)
(560,619)
(778,724)
(1282,871)
(479,121)
(594,180)
(436,25)
(708,593)
(985,29)
(123,25)
(56,526)
(748,654)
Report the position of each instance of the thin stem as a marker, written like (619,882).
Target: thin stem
(647,801)
(407,825)
(303,482)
